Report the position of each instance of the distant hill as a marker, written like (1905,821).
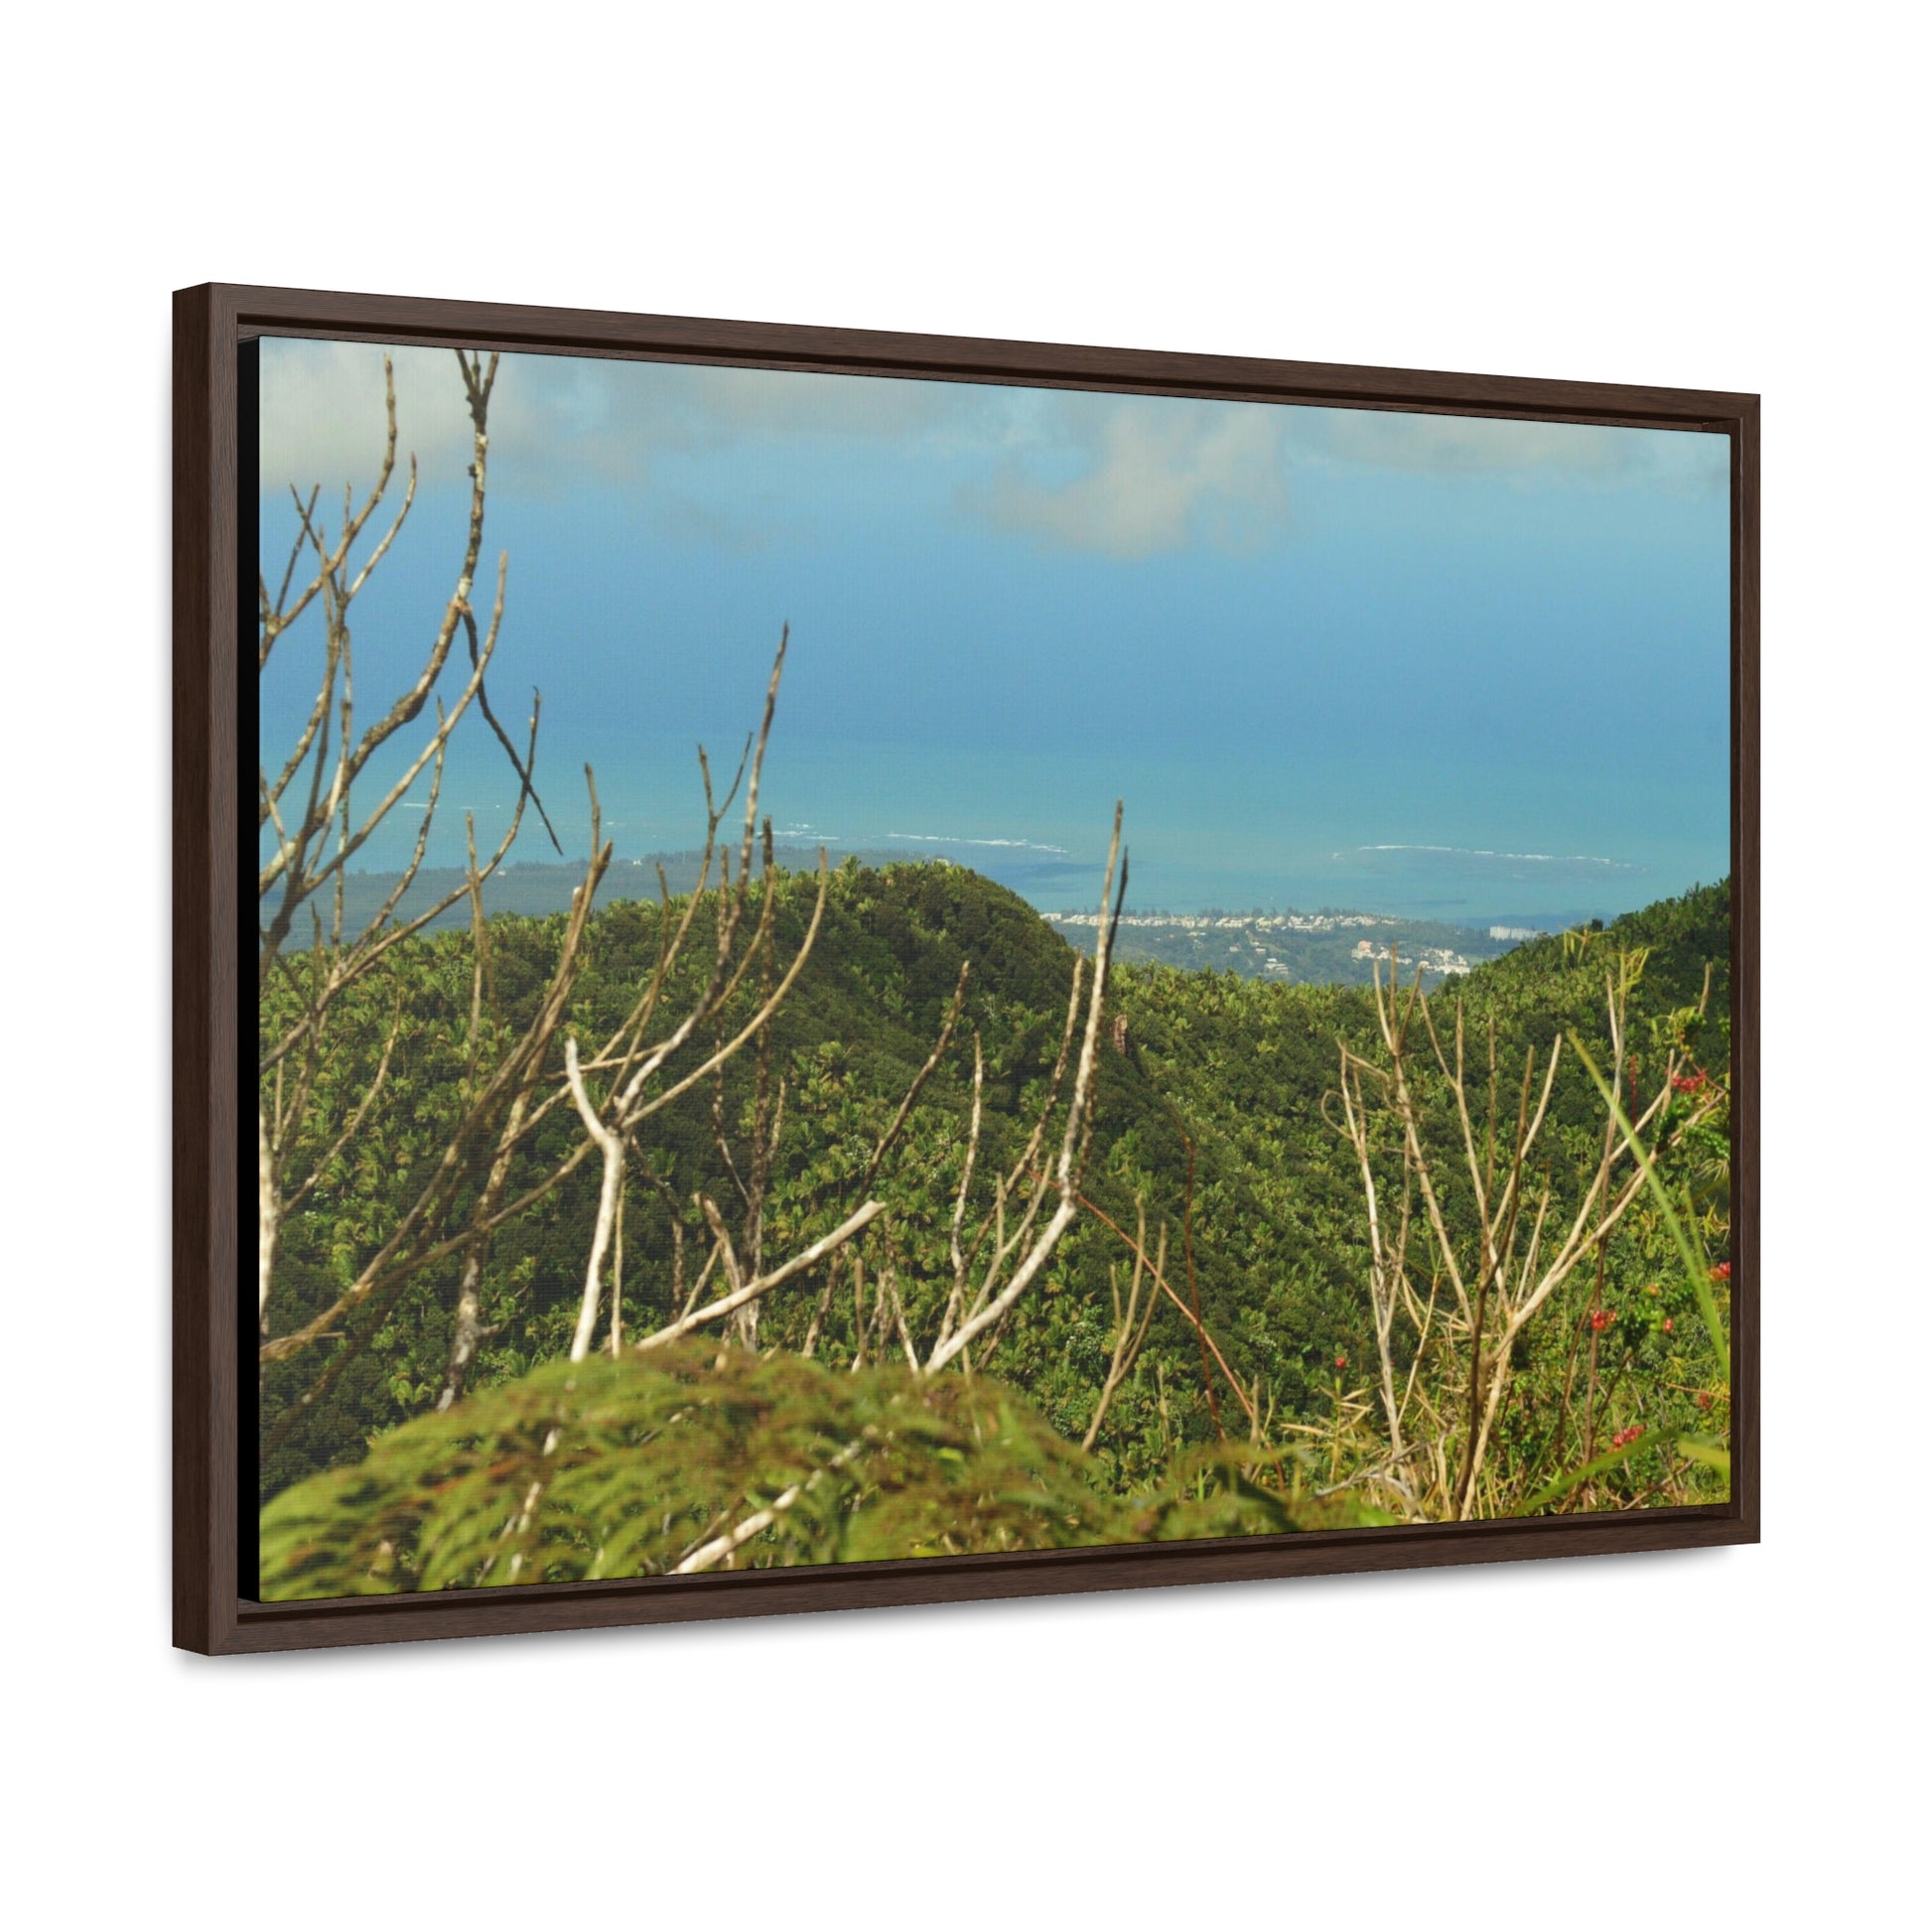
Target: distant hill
(1326,948)
(1297,948)
(535,891)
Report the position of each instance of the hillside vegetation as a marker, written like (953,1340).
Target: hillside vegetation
(1216,1288)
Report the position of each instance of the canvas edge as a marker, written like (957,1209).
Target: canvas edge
(210,321)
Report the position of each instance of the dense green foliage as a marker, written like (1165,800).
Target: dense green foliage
(630,1466)
(1280,1223)
(1218,1074)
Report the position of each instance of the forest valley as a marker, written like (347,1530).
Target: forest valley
(811,1218)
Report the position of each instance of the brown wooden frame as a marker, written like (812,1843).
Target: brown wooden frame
(211,323)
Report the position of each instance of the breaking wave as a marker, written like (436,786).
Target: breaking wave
(1005,845)
(1482,853)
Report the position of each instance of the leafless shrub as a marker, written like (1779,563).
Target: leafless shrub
(1449,1312)
(669,1045)
(514,1080)
(313,824)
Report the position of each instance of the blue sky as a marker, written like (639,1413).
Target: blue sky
(1414,663)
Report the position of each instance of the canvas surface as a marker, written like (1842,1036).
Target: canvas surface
(1189,996)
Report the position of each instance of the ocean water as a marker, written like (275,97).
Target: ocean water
(1544,836)
(1490,695)
(1425,841)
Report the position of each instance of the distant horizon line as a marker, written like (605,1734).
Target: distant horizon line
(1500,921)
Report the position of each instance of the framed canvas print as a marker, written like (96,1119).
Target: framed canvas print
(891,968)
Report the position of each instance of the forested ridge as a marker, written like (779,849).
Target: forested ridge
(1215,1120)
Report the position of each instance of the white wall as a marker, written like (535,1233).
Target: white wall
(1680,194)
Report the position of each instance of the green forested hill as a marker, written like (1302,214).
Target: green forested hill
(1284,944)
(1272,1237)
(1249,1066)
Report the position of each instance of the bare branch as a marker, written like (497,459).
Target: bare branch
(1072,1140)
(763,1284)
(610,1145)
(919,1079)
(722,1546)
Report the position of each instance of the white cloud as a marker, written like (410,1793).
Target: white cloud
(1154,474)
(556,419)
(1538,451)
(322,420)
(1124,475)
(1132,476)
(552,418)
(730,402)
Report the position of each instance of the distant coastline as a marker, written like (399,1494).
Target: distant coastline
(1330,945)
